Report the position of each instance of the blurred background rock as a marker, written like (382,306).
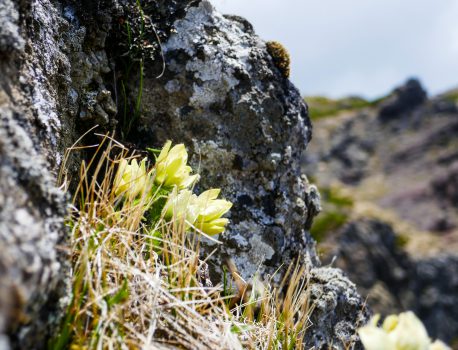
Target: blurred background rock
(387,171)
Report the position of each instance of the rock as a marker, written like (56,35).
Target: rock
(338,310)
(31,207)
(247,125)
(368,249)
(41,49)
(403,100)
(446,185)
(370,252)
(434,282)
(444,106)
(10,39)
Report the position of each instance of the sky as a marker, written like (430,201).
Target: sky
(359,47)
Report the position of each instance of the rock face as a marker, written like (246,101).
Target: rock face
(388,173)
(247,126)
(393,281)
(403,100)
(31,207)
(46,83)
(220,93)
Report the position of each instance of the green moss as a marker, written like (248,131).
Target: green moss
(326,222)
(323,107)
(337,207)
(280,56)
(334,196)
(451,96)
(401,240)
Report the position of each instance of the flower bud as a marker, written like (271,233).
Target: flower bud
(172,168)
(131,179)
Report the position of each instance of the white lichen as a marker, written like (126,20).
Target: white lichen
(215,73)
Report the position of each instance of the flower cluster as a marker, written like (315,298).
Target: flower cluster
(171,176)
(398,332)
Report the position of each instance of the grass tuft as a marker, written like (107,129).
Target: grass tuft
(138,284)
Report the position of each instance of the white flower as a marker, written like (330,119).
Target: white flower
(403,332)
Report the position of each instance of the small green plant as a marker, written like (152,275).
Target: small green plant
(141,45)
(137,269)
(326,223)
(401,240)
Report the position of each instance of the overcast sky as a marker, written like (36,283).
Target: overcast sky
(364,47)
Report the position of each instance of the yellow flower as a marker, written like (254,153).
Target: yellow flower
(210,210)
(172,168)
(131,179)
(390,323)
(403,332)
(181,206)
(204,212)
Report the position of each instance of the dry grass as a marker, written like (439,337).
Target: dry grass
(134,290)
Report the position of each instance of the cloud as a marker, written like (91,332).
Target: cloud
(359,46)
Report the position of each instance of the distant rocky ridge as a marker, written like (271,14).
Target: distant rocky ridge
(388,175)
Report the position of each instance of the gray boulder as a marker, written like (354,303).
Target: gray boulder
(247,127)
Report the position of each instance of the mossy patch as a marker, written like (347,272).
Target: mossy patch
(280,56)
(337,207)
(322,107)
(326,223)
(451,96)
(335,196)
(401,240)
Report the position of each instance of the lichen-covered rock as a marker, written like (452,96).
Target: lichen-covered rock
(247,127)
(31,208)
(338,310)
(40,100)
(10,39)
